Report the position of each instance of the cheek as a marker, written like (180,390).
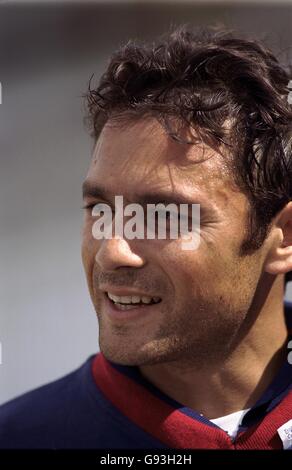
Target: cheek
(182,268)
(88,248)
(199,273)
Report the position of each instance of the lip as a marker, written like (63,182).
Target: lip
(125,315)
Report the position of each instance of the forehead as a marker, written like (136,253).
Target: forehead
(141,154)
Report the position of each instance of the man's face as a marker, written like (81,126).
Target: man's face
(205,293)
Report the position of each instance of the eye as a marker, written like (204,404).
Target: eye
(91,205)
(99,209)
(88,206)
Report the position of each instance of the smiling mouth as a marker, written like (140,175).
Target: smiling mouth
(130,302)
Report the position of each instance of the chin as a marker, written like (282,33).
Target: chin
(122,358)
(146,355)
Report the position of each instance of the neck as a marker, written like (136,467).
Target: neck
(236,382)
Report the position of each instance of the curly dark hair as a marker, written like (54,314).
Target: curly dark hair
(205,78)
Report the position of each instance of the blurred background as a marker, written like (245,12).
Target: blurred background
(48,51)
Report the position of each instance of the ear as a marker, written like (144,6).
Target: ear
(279,259)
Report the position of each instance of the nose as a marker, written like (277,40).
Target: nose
(116,252)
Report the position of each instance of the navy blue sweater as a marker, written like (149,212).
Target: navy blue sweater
(103,405)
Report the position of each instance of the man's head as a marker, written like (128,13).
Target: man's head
(203,118)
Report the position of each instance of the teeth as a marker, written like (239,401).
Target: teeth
(125,306)
(134,299)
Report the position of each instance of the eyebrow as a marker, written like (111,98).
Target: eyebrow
(93,191)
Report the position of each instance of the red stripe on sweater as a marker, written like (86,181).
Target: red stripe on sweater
(157,418)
